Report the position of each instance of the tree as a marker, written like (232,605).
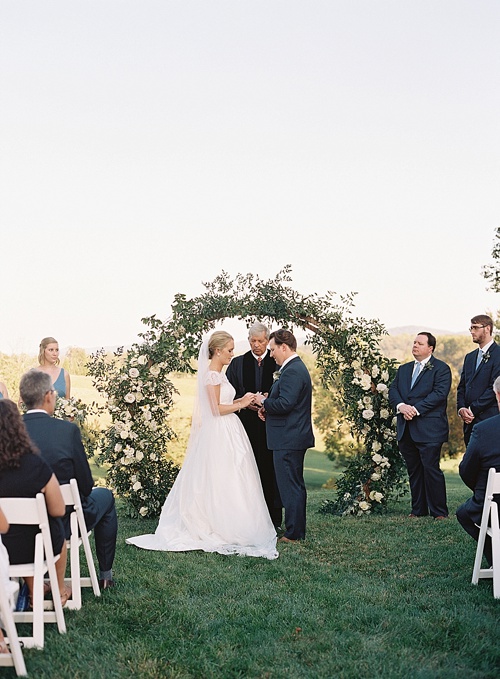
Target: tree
(491,272)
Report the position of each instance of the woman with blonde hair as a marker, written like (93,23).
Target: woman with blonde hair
(216,503)
(48,359)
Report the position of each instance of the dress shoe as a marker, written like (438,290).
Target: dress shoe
(440,518)
(284,539)
(106,584)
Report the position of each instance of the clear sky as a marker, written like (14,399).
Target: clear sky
(147,145)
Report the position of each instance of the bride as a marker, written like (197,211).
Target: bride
(216,503)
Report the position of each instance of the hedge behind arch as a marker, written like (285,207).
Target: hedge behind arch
(140,394)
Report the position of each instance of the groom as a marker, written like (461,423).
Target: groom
(287,412)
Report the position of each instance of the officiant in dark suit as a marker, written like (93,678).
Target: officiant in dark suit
(419,395)
(287,412)
(60,445)
(475,396)
(253,372)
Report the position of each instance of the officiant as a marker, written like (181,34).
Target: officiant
(253,371)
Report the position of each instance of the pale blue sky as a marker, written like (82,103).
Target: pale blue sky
(148,145)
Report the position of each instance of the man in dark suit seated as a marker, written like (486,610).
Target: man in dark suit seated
(475,398)
(60,444)
(483,452)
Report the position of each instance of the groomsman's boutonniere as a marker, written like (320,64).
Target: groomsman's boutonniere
(486,357)
(428,366)
(276,375)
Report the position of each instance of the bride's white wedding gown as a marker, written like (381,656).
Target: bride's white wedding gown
(216,503)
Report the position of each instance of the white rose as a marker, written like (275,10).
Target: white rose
(118,448)
(374,495)
(367,400)
(366,381)
(137,486)
(384,414)
(375,477)
(139,455)
(364,506)
(139,396)
(133,372)
(376,446)
(381,387)
(375,371)
(143,511)
(385,375)
(377,458)
(142,359)
(356,364)
(155,370)
(129,398)
(368,414)
(153,457)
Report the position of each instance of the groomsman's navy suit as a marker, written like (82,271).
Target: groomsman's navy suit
(420,439)
(60,445)
(289,435)
(482,453)
(475,389)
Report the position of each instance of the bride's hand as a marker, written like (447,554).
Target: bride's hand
(247,399)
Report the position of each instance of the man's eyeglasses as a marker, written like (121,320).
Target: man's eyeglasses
(476,327)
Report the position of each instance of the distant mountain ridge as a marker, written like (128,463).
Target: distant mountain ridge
(415,329)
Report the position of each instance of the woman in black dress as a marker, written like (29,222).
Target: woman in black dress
(23,473)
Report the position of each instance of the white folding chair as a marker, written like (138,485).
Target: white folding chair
(490,516)
(33,512)
(15,657)
(79,536)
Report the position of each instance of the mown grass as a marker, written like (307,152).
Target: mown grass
(378,596)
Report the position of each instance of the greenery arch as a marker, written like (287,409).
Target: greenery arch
(139,393)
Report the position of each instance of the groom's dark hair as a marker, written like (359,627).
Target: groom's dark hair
(284,337)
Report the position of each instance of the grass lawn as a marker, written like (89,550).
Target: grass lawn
(375,596)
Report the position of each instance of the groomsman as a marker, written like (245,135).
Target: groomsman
(419,394)
(475,397)
(253,372)
(287,412)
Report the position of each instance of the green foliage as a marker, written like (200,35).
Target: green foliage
(347,354)
(491,272)
(135,445)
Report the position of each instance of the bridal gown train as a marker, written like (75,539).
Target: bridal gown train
(216,503)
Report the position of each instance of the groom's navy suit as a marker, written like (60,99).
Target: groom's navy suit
(289,435)
(421,438)
(483,452)
(475,389)
(60,445)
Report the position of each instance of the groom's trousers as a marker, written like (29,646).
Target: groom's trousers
(289,470)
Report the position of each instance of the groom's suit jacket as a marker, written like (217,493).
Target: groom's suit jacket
(288,409)
(428,395)
(475,389)
(483,452)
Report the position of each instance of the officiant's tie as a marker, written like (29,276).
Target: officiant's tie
(479,358)
(259,361)
(416,373)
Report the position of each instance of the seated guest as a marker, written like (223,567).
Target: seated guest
(48,358)
(3,391)
(60,444)
(23,473)
(483,452)
(9,586)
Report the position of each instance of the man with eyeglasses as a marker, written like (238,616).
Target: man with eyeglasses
(475,397)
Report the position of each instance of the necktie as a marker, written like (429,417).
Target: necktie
(416,373)
(479,358)
(259,361)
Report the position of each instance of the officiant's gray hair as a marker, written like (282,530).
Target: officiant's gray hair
(258,329)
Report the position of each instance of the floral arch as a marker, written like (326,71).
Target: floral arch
(139,393)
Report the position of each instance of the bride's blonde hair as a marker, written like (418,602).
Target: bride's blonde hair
(218,341)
